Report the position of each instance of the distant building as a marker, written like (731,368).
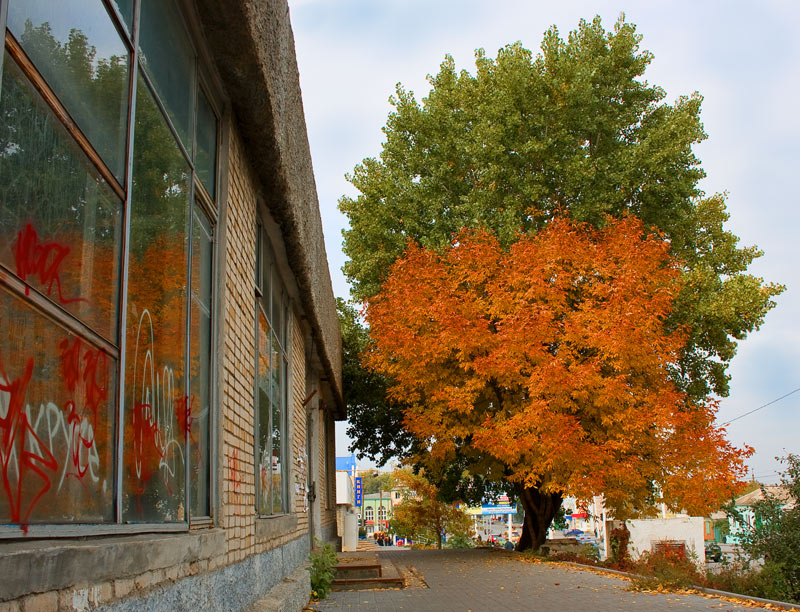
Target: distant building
(744,506)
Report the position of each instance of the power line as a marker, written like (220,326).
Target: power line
(741,416)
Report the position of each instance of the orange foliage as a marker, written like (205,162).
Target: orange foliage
(552,359)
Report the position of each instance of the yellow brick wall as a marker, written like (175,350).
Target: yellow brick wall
(236,394)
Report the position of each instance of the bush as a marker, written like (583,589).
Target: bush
(460,541)
(664,569)
(323,569)
(767,581)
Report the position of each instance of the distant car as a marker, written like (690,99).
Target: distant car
(573,532)
(586,538)
(713,552)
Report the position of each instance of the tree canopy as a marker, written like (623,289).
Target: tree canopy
(573,129)
(548,364)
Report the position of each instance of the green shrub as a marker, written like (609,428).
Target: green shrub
(323,569)
(460,541)
(766,581)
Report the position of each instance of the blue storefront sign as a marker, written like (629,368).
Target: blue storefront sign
(358,490)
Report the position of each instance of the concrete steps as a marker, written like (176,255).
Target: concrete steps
(364,570)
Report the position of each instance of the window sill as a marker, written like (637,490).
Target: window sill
(47,565)
(275,526)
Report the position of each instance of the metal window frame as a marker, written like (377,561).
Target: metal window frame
(198,196)
(265,256)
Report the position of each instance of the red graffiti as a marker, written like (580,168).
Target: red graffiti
(15,429)
(77,440)
(94,366)
(233,466)
(185,417)
(42,259)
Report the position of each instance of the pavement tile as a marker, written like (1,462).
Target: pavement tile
(483,580)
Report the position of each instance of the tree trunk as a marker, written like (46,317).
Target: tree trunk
(540,508)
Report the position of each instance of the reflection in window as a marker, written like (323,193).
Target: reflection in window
(59,222)
(206,155)
(198,409)
(56,421)
(80,54)
(156,334)
(61,248)
(169,60)
(272,389)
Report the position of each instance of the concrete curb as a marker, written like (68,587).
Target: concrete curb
(716,592)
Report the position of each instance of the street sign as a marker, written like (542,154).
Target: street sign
(358,491)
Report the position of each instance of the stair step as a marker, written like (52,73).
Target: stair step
(360,584)
(346,571)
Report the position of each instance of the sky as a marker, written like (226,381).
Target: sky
(743,57)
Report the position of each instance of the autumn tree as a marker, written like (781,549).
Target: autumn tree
(423,515)
(575,128)
(548,365)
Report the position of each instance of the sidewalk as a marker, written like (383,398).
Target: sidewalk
(484,580)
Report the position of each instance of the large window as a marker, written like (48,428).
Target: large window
(271,385)
(108,156)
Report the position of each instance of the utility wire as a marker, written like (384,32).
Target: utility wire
(741,416)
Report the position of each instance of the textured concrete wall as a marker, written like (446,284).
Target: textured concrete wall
(260,74)
(234,587)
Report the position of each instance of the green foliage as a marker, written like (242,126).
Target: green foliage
(375,424)
(577,130)
(460,541)
(323,569)
(775,534)
(765,581)
(373,482)
(560,519)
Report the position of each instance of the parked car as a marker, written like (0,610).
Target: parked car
(573,532)
(713,552)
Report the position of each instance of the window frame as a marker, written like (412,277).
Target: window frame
(198,196)
(264,303)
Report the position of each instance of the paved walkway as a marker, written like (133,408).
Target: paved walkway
(483,580)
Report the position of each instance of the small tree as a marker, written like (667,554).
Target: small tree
(373,482)
(774,535)
(422,515)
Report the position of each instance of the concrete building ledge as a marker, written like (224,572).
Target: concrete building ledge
(275,526)
(290,595)
(48,565)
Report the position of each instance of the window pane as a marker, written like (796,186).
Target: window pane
(125,8)
(60,223)
(199,406)
(156,327)
(277,434)
(266,272)
(264,448)
(169,59)
(56,421)
(277,301)
(206,157)
(79,52)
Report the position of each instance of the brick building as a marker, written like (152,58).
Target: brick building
(170,360)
